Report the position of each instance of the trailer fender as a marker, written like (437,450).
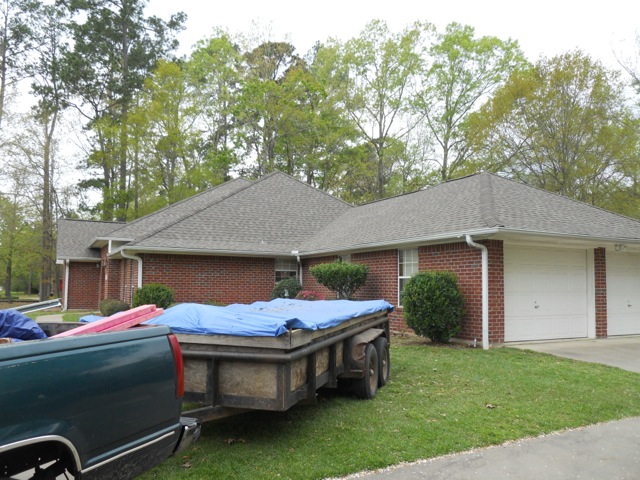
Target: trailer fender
(357,345)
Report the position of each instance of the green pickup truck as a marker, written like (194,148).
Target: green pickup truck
(97,406)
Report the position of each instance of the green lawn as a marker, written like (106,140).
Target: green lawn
(440,400)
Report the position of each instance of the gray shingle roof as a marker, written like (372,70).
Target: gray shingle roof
(271,216)
(277,214)
(75,237)
(520,207)
(482,202)
(167,216)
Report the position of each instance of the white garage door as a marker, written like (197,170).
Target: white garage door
(623,293)
(545,293)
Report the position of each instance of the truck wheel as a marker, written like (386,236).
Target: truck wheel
(367,386)
(384,360)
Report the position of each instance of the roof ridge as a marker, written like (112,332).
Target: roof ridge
(275,172)
(425,188)
(406,194)
(90,220)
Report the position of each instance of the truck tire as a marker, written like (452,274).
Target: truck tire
(367,387)
(384,360)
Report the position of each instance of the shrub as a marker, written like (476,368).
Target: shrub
(308,295)
(433,305)
(109,306)
(153,293)
(287,288)
(341,277)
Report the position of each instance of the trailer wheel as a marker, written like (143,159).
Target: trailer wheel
(384,360)
(367,386)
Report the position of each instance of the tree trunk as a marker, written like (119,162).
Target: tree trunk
(46,241)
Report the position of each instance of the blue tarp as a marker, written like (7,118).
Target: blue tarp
(18,326)
(265,319)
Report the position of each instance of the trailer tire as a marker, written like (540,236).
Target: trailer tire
(367,387)
(384,360)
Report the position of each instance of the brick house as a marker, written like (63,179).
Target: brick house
(532,265)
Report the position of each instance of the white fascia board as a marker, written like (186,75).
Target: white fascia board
(451,237)
(199,251)
(577,239)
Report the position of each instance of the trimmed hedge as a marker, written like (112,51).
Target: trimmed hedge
(109,306)
(153,293)
(433,305)
(341,277)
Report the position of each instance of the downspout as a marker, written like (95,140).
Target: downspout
(485,290)
(65,295)
(137,259)
(300,271)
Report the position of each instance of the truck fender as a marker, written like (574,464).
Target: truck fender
(7,451)
(357,345)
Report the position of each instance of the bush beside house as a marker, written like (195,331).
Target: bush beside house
(341,277)
(433,305)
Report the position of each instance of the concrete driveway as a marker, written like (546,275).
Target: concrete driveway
(606,451)
(621,352)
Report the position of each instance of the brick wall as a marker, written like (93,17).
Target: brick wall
(204,278)
(244,280)
(466,263)
(84,286)
(382,281)
(600,271)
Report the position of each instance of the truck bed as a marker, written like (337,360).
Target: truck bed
(104,405)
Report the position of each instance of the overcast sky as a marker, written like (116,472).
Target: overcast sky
(541,27)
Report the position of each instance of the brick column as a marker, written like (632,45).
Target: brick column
(600,271)
(496,290)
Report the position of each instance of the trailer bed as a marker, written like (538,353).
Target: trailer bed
(227,374)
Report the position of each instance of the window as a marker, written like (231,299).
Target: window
(407,267)
(285,268)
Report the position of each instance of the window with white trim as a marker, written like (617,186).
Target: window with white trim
(286,268)
(407,267)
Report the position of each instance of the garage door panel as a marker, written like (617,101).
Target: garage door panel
(623,293)
(545,293)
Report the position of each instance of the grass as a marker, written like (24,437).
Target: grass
(440,400)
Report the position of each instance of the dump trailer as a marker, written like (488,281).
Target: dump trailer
(235,368)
